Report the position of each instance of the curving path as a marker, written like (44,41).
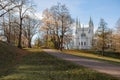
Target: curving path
(99,66)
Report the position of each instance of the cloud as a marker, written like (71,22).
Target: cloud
(38,15)
(84,9)
(43,4)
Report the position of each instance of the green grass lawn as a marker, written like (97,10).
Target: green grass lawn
(93,56)
(38,65)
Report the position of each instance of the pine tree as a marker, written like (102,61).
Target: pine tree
(102,32)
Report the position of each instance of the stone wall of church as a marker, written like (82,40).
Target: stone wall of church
(83,36)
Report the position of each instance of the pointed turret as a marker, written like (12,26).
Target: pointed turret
(83,28)
(91,27)
(79,24)
(76,25)
(91,23)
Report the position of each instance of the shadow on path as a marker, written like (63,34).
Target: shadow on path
(99,66)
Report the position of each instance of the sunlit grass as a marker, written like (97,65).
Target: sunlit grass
(92,56)
(41,66)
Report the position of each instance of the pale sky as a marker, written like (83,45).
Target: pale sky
(109,10)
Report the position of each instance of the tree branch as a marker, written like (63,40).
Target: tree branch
(8,10)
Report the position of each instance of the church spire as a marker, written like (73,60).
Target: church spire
(83,28)
(79,24)
(76,25)
(76,22)
(91,23)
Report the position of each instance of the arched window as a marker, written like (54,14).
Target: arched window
(82,43)
(83,35)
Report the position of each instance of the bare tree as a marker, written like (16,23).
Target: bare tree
(47,22)
(58,23)
(22,10)
(7,6)
(65,21)
(30,28)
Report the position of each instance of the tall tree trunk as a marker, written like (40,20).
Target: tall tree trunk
(103,47)
(29,43)
(58,37)
(9,34)
(58,42)
(47,39)
(20,35)
(61,47)
(29,38)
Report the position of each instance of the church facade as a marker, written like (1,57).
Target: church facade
(83,35)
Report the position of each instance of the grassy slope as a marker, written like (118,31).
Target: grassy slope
(39,65)
(93,56)
(7,57)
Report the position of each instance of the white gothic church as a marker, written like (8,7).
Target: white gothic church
(83,35)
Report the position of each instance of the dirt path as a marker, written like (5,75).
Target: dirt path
(99,66)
